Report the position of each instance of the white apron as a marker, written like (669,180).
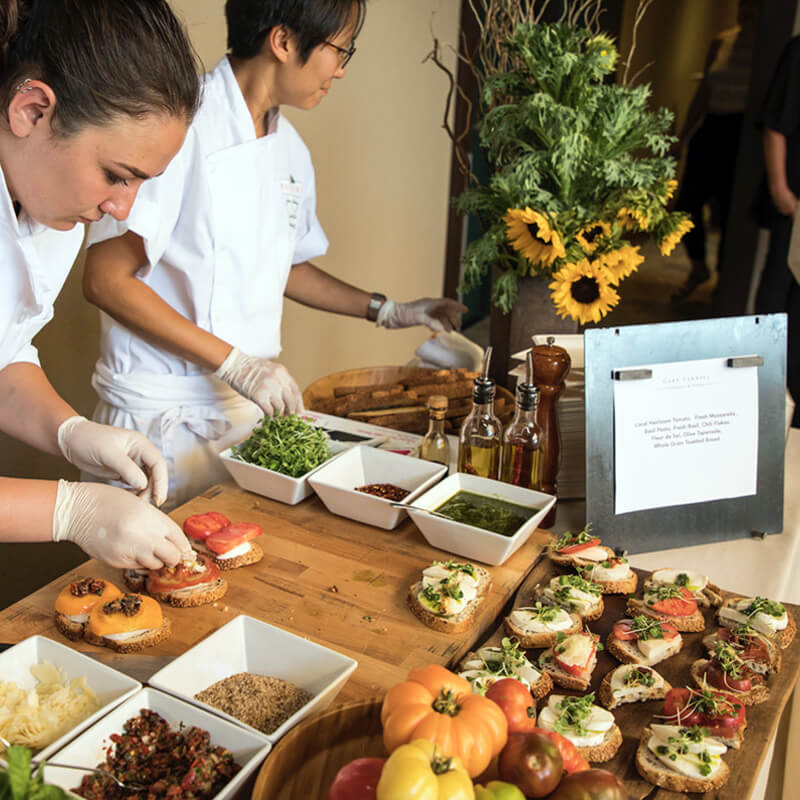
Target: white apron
(191,418)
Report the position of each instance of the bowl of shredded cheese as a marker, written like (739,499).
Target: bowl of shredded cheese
(49,693)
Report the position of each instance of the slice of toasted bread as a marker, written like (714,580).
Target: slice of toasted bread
(193,596)
(528,639)
(588,615)
(135,579)
(72,630)
(252,556)
(548,664)
(606,750)
(709,596)
(538,690)
(659,774)
(782,638)
(457,622)
(693,623)
(628,652)
(625,586)
(758,692)
(710,643)
(147,639)
(574,559)
(638,694)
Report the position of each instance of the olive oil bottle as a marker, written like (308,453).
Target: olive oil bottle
(521,460)
(480,438)
(434,445)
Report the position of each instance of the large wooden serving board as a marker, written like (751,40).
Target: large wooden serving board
(762,720)
(332,580)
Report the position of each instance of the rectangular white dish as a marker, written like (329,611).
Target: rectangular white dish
(336,482)
(246,644)
(89,749)
(467,540)
(110,686)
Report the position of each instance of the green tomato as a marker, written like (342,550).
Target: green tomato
(498,790)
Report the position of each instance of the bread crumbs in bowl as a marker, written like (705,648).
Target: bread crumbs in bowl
(292,677)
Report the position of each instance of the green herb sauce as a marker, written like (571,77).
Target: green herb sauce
(489,513)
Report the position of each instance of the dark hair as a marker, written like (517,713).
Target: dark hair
(311,21)
(102,58)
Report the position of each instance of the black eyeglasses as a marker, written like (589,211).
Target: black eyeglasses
(345,54)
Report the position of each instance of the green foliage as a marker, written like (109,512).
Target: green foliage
(565,143)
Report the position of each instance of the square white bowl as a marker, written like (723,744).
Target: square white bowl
(467,540)
(110,686)
(336,482)
(246,644)
(89,749)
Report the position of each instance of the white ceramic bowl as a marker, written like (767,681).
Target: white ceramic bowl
(467,540)
(110,686)
(88,750)
(336,482)
(246,644)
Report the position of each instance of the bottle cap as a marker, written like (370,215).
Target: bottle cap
(483,388)
(437,402)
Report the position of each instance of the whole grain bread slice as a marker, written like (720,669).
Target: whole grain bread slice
(192,596)
(457,623)
(625,586)
(147,639)
(252,556)
(758,692)
(693,623)
(782,638)
(642,693)
(657,773)
(548,664)
(574,559)
(710,643)
(628,652)
(72,630)
(606,750)
(528,639)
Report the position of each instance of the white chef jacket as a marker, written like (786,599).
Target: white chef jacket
(221,228)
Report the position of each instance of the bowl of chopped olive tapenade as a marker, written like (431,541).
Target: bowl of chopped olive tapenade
(479,518)
(362,484)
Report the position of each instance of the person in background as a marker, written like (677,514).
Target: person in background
(712,129)
(97,97)
(778,290)
(192,284)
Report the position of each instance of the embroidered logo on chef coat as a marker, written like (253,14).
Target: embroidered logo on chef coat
(292,192)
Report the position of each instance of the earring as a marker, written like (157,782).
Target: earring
(23,86)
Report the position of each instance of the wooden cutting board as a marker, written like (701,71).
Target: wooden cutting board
(762,720)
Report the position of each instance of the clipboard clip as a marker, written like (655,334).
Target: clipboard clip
(745,361)
(631,374)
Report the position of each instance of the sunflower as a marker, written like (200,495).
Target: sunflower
(589,235)
(621,262)
(667,244)
(530,233)
(671,187)
(633,219)
(583,291)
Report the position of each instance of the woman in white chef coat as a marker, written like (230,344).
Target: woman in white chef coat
(193,283)
(98,95)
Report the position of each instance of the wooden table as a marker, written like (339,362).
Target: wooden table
(332,580)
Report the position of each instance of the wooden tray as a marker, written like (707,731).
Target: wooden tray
(306,760)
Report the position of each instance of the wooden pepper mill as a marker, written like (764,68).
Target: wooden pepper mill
(550,366)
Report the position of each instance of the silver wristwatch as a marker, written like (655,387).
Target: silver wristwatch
(375,303)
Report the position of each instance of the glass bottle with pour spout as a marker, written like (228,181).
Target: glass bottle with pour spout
(434,445)
(480,437)
(521,460)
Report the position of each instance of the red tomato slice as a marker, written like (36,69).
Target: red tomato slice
(168,579)
(676,711)
(682,606)
(576,669)
(623,632)
(730,716)
(719,680)
(200,526)
(232,536)
(670,631)
(574,548)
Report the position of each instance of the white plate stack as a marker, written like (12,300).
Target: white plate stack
(571,414)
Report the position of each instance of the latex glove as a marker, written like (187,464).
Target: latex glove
(117,527)
(115,454)
(438,313)
(267,383)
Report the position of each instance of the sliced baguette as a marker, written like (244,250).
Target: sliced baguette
(628,652)
(604,751)
(639,694)
(538,690)
(710,643)
(625,586)
(693,623)
(147,639)
(528,639)
(548,664)
(782,638)
(252,556)
(457,622)
(193,596)
(758,693)
(708,597)
(591,614)
(657,773)
(568,560)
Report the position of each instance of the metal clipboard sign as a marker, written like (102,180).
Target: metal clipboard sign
(627,354)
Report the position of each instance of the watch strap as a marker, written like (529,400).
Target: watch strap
(375,303)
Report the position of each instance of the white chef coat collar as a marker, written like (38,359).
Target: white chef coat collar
(241,113)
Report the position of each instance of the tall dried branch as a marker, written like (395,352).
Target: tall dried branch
(641,10)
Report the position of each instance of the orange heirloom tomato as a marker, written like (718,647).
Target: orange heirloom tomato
(436,704)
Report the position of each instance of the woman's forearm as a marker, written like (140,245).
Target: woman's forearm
(314,287)
(26,510)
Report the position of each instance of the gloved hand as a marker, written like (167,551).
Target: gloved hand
(267,383)
(116,454)
(438,313)
(117,527)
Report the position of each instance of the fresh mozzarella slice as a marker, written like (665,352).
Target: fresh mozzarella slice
(594,553)
(696,580)
(527,619)
(656,649)
(689,763)
(619,572)
(577,650)
(78,619)
(621,689)
(596,724)
(763,623)
(121,637)
(239,550)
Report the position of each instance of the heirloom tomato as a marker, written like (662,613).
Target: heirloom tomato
(533,762)
(200,526)
(517,703)
(438,705)
(682,604)
(573,760)
(225,539)
(498,790)
(420,771)
(593,784)
(357,780)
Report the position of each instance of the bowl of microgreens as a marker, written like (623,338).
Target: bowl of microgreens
(278,456)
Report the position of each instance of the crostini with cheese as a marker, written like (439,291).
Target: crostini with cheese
(706,593)
(763,615)
(613,575)
(188,584)
(76,601)
(669,603)
(228,544)
(727,671)
(643,640)
(449,595)
(722,715)
(127,623)
(574,593)
(491,664)
(539,625)
(571,661)
(631,683)
(579,549)
(761,652)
